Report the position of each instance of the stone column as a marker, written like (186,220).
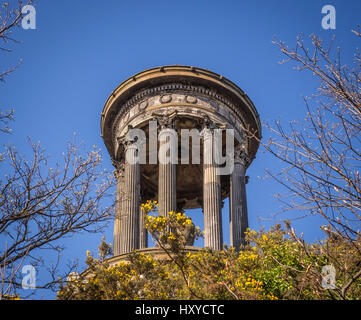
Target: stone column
(238,216)
(130,201)
(213,237)
(167,192)
(143,233)
(119,177)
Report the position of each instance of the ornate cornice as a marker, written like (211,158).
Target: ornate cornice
(158,88)
(189,75)
(188,91)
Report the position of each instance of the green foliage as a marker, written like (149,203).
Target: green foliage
(273,265)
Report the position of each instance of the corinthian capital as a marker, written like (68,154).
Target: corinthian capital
(125,141)
(209,124)
(119,166)
(165,121)
(241,154)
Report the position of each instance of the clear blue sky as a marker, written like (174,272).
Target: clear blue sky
(81,50)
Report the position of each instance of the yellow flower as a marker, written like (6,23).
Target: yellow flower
(188,221)
(171,236)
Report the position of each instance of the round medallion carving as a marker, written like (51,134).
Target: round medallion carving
(143,105)
(166,98)
(191,99)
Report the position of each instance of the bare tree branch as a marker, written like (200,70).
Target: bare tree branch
(322,153)
(40,204)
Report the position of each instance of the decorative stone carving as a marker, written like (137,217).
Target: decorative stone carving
(189,91)
(210,124)
(165,121)
(241,154)
(119,169)
(193,99)
(143,105)
(166,98)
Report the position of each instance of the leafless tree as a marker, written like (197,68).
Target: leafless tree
(322,154)
(5,117)
(10,17)
(41,203)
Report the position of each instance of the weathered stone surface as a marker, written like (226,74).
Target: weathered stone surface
(119,177)
(129,215)
(211,197)
(167,192)
(238,216)
(178,97)
(143,233)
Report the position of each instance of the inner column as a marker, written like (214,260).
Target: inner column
(213,237)
(143,233)
(167,171)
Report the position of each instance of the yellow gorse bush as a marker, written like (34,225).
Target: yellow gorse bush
(271,266)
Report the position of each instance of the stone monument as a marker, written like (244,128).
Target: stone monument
(163,103)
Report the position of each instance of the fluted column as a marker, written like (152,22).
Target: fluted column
(213,237)
(119,177)
(143,233)
(167,171)
(238,215)
(130,201)
(244,220)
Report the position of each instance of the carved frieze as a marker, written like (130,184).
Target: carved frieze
(196,95)
(166,98)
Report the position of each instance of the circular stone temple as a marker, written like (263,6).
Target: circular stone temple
(150,125)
